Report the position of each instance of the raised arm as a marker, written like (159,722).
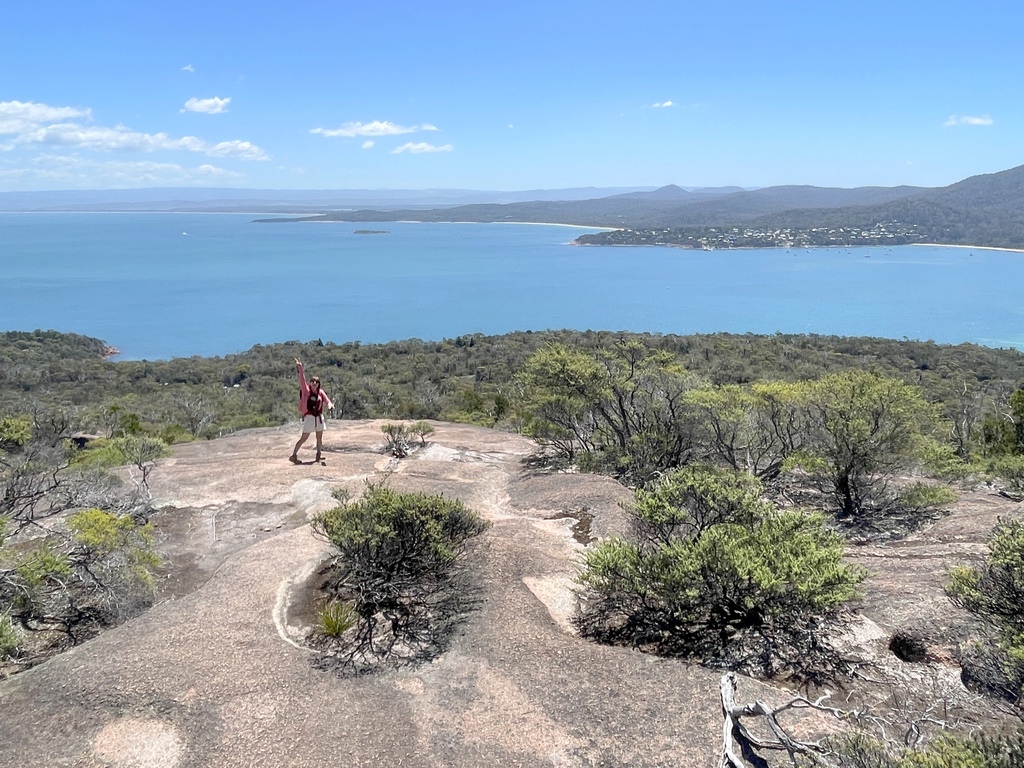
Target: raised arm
(302,378)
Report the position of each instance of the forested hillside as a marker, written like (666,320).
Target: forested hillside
(471,378)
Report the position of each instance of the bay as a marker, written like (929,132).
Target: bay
(157,286)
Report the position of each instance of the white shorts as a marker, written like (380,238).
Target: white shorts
(311,423)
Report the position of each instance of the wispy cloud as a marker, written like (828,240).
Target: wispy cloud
(368,144)
(661,104)
(188,68)
(374,128)
(115,139)
(212,106)
(417,148)
(39,113)
(32,124)
(76,171)
(243,149)
(968,120)
(20,117)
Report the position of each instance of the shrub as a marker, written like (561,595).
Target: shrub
(422,430)
(398,566)
(116,546)
(76,581)
(397,439)
(921,499)
(748,587)
(994,592)
(1010,469)
(981,751)
(978,750)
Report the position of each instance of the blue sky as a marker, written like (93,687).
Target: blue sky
(507,95)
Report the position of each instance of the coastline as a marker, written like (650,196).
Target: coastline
(978,247)
(782,247)
(420,221)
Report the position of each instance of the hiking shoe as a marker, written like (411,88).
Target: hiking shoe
(293,459)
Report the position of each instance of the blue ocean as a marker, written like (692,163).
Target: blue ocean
(157,286)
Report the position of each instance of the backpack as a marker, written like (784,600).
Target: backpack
(313,405)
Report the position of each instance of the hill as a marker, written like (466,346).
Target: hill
(982,210)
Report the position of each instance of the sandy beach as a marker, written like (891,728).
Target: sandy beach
(973,247)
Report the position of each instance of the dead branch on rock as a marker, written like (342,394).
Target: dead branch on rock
(902,728)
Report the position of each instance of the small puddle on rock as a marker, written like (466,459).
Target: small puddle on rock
(581,528)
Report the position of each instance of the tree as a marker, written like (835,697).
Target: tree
(35,458)
(194,410)
(397,565)
(862,429)
(751,429)
(715,574)
(619,408)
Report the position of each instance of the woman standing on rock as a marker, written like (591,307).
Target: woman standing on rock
(312,401)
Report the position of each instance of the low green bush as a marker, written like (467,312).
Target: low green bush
(397,565)
(715,574)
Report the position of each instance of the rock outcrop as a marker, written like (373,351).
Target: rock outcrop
(215,674)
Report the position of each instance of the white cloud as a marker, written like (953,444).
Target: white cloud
(375,128)
(188,68)
(118,138)
(212,170)
(661,104)
(368,144)
(39,124)
(212,106)
(82,172)
(420,147)
(243,149)
(968,120)
(17,116)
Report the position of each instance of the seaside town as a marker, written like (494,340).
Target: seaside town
(713,238)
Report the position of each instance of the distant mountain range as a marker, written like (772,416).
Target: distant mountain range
(981,210)
(205,200)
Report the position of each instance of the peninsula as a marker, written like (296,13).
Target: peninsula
(980,211)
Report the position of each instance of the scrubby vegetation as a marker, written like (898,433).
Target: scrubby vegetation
(473,378)
(396,585)
(76,550)
(993,590)
(713,572)
(750,457)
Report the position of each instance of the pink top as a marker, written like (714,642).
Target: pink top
(304,393)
